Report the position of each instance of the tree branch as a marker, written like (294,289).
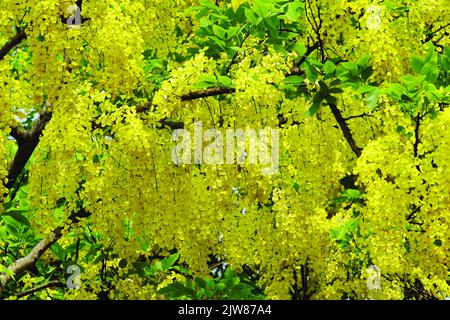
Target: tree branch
(296,69)
(30,259)
(210,92)
(358,116)
(27,141)
(431,34)
(417,135)
(18,133)
(417,139)
(39,288)
(14,41)
(345,129)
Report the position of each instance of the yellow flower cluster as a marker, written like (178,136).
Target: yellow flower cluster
(101,153)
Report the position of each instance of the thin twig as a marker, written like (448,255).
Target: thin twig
(51,284)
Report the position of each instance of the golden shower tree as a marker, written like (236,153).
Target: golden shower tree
(94,207)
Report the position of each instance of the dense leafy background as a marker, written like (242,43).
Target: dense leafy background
(358,89)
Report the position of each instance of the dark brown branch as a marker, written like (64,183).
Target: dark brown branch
(18,133)
(50,284)
(210,92)
(417,139)
(345,129)
(416,135)
(431,34)
(296,69)
(80,4)
(171,124)
(14,41)
(144,107)
(295,292)
(413,213)
(358,116)
(316,27)
(27,142)
(282,120)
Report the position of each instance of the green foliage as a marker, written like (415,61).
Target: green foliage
(223,29)
(229,286)
(358,92)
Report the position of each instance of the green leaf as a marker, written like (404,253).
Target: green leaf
(251,16)
(219,32)
(225,81)
(143,244)
(329,67)
(207,81)
(372,99)
(58,251)
(400,129)
(300,48)
(262,8)
(59,57)
(416,64)
(169,261)
(177,290)
(18,216)
(431,56)
(311,71)
(220,42)
(272,24)
(396,90)
(366,73)
(201,282)
(209,5)
(351,194)
(294,10)
(233,49)
(413,82)
(364,61)
(231,32)
(7,205)
(317,101)
(221,286)
(181,269)
(336,90)
(5,270)
(294,80)
(351,67)
(229,273)
(431,72)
